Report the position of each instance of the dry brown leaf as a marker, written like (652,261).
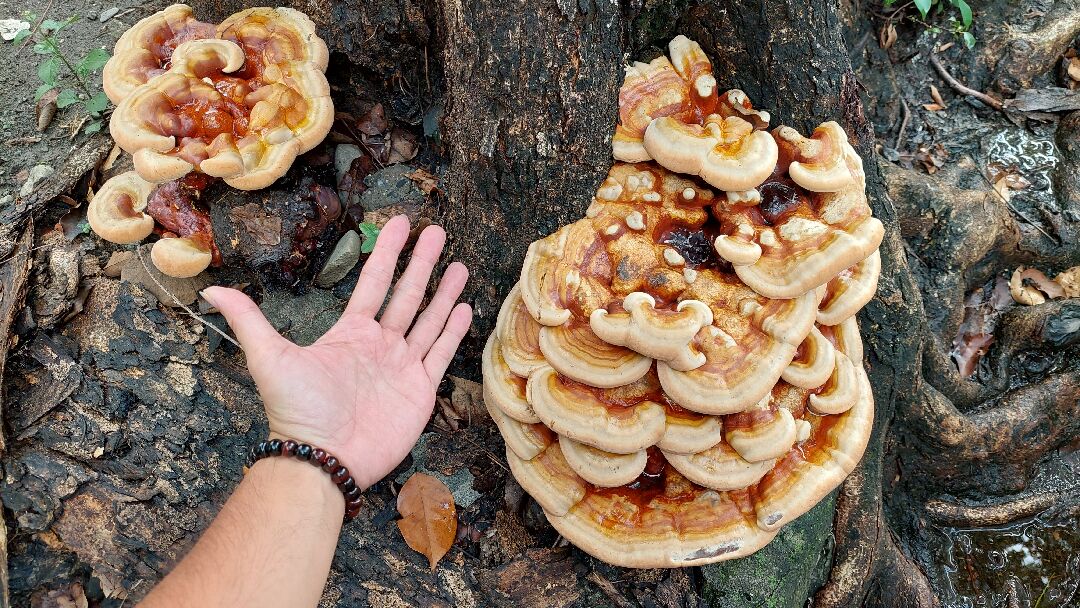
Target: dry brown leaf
(46,109)
(932,107)
(1074,68)
(427,182)
(1069,281)
(428,517)
(110,160)
(1001,186)
(887,36)
(374,122)
(403,147)
(935,94)
(263,227)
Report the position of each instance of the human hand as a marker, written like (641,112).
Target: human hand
(365,390)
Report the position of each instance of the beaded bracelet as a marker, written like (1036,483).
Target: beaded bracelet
(339,473)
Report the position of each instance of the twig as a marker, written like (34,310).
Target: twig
(961,87)
(193,314)
(903,124)
(1017,211)
(34,29)
(609,590)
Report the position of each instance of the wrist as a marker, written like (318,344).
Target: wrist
(299,484)
(317,463)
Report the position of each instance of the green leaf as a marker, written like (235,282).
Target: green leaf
(97,104)
(66,98)
(51,25)
(923,6)
(92,127)
(48,71)
(889,3)
(20,36)
(43,48)
(371,234)
(94,61)
(965,12)
(969,40)
(42,90)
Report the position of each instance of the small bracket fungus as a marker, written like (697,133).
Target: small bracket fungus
(1030,287)
(601,468)
(117,211)
(241,105)
(145,50)
(726,152)
(665,336)
(680,373)
(822,162)
(683,87)
(128,208)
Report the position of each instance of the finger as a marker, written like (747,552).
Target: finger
(410,288)
(255,334)
(442,351)
(433,319)
(378,270)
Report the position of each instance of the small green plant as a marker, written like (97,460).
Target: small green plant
(47,43)
(960,27)
(370,232)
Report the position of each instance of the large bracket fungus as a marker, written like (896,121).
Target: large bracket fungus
(238,101)
(679,373)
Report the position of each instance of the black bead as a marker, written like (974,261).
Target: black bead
(339,475)
(330,464)
(263,448)
(275,447)
(303,452)
(347,486)
(289,448)
(352,494)
(253,454)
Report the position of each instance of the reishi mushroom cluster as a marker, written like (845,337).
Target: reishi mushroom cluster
(680,373)
(194,101)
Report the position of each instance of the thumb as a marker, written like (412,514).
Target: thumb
(252,329)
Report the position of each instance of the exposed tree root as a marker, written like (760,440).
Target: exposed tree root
(970,516)
(1032,53)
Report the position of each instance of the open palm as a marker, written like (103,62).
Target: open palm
(365,390)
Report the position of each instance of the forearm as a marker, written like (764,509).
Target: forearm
(271,545)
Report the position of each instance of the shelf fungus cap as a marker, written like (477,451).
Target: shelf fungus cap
(813,364)
(519,335)
(825,458)
(526,440)
(841,391)
(144,50)
(660,334)
(736,103)
(823,235)
(821,162)
(682,525)
(583,413)
(719,467)
(503,389)
(726,152)
(761,434)
(182,257)
(117,211)
(601,468)
(850,290)
(241,106)
(559,274)
(577,353)
(689,433)
(649,90)
(751,342)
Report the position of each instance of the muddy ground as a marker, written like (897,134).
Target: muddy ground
(125,420)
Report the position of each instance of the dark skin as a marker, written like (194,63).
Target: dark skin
(363,392)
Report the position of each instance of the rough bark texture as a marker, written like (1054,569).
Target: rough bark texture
(126,421)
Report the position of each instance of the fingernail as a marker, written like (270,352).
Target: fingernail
(209,299)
